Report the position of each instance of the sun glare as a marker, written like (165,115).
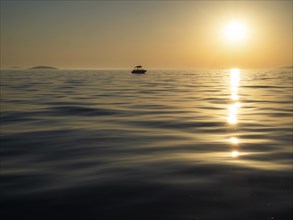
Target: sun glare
(235,31)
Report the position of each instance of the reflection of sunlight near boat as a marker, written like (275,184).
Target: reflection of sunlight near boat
(234,140)
(232,119)
(234,97)
(233,109)
(234,89)
(235,72)
(234,83)
(234,153)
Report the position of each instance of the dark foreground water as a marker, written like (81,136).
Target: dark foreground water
(167,145)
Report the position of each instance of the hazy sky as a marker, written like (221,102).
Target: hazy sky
(155,34)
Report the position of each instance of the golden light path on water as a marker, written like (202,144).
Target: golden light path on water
(233,109)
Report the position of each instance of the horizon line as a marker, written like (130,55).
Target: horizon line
(156,68)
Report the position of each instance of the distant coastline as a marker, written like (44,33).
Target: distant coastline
(44,67)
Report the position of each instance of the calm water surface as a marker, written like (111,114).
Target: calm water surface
(166,145)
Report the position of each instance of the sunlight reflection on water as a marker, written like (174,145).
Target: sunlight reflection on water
(110,140)
(233,110)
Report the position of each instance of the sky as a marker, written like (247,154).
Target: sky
(155,34)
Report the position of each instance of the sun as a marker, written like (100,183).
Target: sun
(235,31)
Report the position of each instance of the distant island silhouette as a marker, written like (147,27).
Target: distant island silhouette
(287,67)
(44,67)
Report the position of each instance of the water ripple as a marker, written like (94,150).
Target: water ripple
(164,145)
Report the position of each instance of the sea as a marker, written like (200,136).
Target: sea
(166,145)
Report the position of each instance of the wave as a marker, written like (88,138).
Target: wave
(108,145)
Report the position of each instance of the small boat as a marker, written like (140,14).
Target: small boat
(138,70)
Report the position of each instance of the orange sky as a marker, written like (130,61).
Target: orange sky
(164,34)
